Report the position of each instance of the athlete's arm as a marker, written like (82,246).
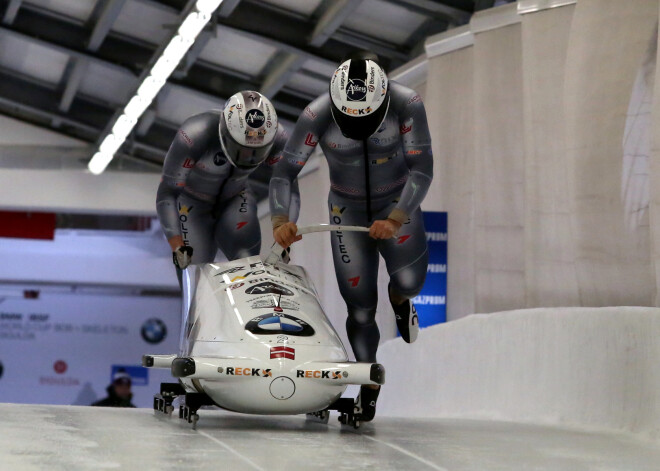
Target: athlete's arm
(417,152)
(186,148)
(309,129)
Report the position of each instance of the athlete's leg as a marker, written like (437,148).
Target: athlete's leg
(237,230)
(406,257)
(355,257)
(196,223)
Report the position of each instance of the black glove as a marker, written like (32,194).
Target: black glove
(181,256)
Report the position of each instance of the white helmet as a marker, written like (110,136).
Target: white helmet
(248,127)
(359,91)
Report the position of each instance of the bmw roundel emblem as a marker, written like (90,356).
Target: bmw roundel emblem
(153,330)
(277,324)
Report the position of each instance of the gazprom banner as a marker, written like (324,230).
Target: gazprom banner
(64,348)
(431,302)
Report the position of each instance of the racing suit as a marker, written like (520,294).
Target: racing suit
(205,199)
(384,176)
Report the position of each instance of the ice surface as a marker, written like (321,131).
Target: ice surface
(76,438)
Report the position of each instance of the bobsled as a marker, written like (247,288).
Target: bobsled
(256,340)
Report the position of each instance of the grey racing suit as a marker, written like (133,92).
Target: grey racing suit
(385,176)
(205,199)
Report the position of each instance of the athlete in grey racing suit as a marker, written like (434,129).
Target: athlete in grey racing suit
(206,200)
(379,182)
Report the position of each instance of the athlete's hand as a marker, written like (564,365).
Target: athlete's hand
(285,235)
(175,242)
(182,256)
(384,229)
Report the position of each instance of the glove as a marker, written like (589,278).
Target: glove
(286,255)
(181,256)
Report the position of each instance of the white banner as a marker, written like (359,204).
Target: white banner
(64,348)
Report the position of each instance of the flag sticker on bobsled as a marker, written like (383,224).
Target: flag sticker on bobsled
(272,324)
(282,352)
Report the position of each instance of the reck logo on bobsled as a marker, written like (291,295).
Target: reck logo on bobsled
(269,288)
(319,374)
(233,371)
(278,323)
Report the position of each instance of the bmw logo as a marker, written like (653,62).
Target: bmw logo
(272,324)
(154,330)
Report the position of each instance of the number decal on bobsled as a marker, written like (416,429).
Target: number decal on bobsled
(278,324)
(269,288)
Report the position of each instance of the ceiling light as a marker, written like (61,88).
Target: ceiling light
(166,63)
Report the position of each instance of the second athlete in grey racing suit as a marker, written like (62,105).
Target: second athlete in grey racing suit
(384,176)
(205,199)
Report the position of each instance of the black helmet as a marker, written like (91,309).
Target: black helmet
(359,92)
(248,126)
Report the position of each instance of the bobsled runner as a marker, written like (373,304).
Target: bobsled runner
(256,340)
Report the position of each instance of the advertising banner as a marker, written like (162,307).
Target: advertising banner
(432,300)
(65,348)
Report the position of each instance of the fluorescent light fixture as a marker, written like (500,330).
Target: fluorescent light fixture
(123,126)
(136,107)
(168,61)
(150,87)
(192,25)
(99,162)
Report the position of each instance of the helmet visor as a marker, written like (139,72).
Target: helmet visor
(242,156)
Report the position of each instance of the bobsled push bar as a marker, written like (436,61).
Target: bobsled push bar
(213,369)
(276,252)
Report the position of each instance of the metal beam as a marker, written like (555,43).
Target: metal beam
(193,53)
(64,50)
(331,20)
(435,9)
(109,11)
(227,7)
(73,79)
(362,41)
(103,25)
(33,101)
(145,123)
(11,11)
(280,74)
(282,46)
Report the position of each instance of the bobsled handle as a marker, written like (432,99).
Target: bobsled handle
(276,251)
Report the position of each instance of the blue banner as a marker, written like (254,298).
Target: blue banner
(431,302)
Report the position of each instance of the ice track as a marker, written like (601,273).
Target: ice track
(82,438)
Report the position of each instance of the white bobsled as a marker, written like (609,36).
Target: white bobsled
(255,339)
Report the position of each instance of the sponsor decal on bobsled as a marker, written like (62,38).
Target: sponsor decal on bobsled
(268,302)
(269,288)
(279,323)
(234,371)
(320,374)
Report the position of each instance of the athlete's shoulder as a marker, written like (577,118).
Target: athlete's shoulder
(402,96)
(200,128)
(318,109)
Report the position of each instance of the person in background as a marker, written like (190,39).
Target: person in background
(119,392)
